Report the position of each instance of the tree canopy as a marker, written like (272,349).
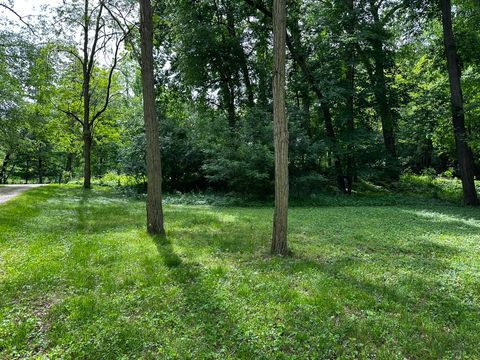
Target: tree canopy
(367,93)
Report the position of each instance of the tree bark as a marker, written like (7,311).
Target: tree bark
(154,167)
(87,152)
(27,175)
(263,87)
(242,57)
(306,103)
(246,79)
(464,153)
(380,92)
(3,170)
(228,97)
(350,101)
(385,111)
(69,163)
(298,55)
(280,134)
(40,169)
(87,138)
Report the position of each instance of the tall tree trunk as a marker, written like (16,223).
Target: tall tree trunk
(350,103)
(330,131)
(154,167)
(385,111)
(40,169)
(3,170)
(87,152)
(242,58)
(246,78)
(228,97)
(464,153)
(27,175)
(263,88)
(298,55)
(280,132)
(69,163)
(380,91)
(306,103)
(87,136)
(351,168)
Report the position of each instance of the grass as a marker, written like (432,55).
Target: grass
(79,278)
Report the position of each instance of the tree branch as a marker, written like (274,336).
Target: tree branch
(19,17)
(110,78)
(70,113)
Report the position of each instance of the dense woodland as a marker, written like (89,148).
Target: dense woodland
(360,118)
(367,93)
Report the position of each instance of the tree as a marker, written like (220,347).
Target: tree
(300,56)
(154,166)
(377,15)
(24,111)
(464,153)
(350,23)
(97,35)
(280,130)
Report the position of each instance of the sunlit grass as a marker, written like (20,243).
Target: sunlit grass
(79,278)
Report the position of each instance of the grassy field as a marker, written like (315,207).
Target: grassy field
(80,279)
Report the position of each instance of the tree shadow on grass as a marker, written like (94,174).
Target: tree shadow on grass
(374,308)
(166,251)
(18,212)
(212,329)
(417,286)
(371,274)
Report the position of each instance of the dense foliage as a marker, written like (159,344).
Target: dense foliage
(367,95)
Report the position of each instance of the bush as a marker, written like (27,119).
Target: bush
(310,183)
(449,173)
(114,179)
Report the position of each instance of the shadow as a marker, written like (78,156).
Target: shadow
(82,211)
(393,278)
(375,304)
(212,325)
(166,252)
(19,212)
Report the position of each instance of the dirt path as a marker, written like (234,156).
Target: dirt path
(10,191)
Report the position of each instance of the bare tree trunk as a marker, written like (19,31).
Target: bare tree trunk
(87,152)
(350,103)
(241,57)
(298,55)
(3,170)
(246,79)
(280,132)
(464,153)
(306,104)
(154,167)
(69,163)
(40,169)
(330,131)
(385,112)
(384,106)
(87,138)
(27,175)
(228,98)
(263,74)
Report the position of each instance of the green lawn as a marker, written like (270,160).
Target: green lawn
(79,278)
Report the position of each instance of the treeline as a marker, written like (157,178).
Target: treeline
(368,94)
